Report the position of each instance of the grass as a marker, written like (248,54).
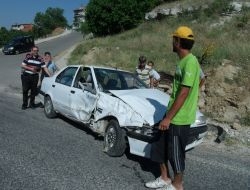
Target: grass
(233,141)
(245,121)
(230,141)
(153,39)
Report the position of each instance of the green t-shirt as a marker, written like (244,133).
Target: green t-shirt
(187,74)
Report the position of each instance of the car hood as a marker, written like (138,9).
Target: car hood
(149,103)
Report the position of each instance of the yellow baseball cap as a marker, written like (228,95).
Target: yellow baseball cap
(184,32)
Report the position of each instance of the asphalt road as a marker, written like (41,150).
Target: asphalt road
(37,153)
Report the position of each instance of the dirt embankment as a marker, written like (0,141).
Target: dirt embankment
(227,103)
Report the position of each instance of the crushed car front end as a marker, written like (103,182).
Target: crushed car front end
(141,139)
(151,105)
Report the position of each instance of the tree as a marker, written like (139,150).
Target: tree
(4,36)
(105,17)
(45,23)
(56,15)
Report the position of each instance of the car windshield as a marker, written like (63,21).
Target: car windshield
(109,79)
(12,42)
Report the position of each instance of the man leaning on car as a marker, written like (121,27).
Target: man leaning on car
(31,66)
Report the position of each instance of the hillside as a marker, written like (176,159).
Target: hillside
(221,37)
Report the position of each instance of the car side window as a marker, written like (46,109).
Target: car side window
(66,77)
(84,76)
(79,78)
(88,78)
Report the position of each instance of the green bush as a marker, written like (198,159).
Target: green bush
(84,28)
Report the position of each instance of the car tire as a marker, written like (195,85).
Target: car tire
(114,139)
(48,107)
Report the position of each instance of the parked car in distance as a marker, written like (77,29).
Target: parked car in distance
(18,45)
(113,103)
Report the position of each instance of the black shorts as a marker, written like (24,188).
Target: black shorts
(171,146)
(159,148)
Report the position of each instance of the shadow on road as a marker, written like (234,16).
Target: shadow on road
(82,127)
(146,164)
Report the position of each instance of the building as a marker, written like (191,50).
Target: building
(79,17)
(22,27)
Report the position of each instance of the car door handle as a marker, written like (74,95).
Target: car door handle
(72,92)
(53,85)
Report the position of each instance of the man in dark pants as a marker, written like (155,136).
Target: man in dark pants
(31,66)
(180,115)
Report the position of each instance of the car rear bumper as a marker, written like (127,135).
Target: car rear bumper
(140,144)
(7,52)
(41,95)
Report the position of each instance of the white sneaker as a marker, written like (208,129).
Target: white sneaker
(167,187)
(157,183)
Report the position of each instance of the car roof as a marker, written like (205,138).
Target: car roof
(20,37)
(97,67)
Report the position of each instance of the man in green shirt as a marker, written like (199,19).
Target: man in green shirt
(180,115)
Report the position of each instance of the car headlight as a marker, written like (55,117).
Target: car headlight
(201,120)
(11,48)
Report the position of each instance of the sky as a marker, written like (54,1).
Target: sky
(24,11)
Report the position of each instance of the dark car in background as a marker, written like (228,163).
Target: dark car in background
(18,45)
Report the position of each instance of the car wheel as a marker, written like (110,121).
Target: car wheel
(114,139)
(48,107)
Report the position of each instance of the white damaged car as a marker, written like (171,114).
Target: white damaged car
(113,103)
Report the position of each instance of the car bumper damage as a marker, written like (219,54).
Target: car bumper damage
(140,140)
